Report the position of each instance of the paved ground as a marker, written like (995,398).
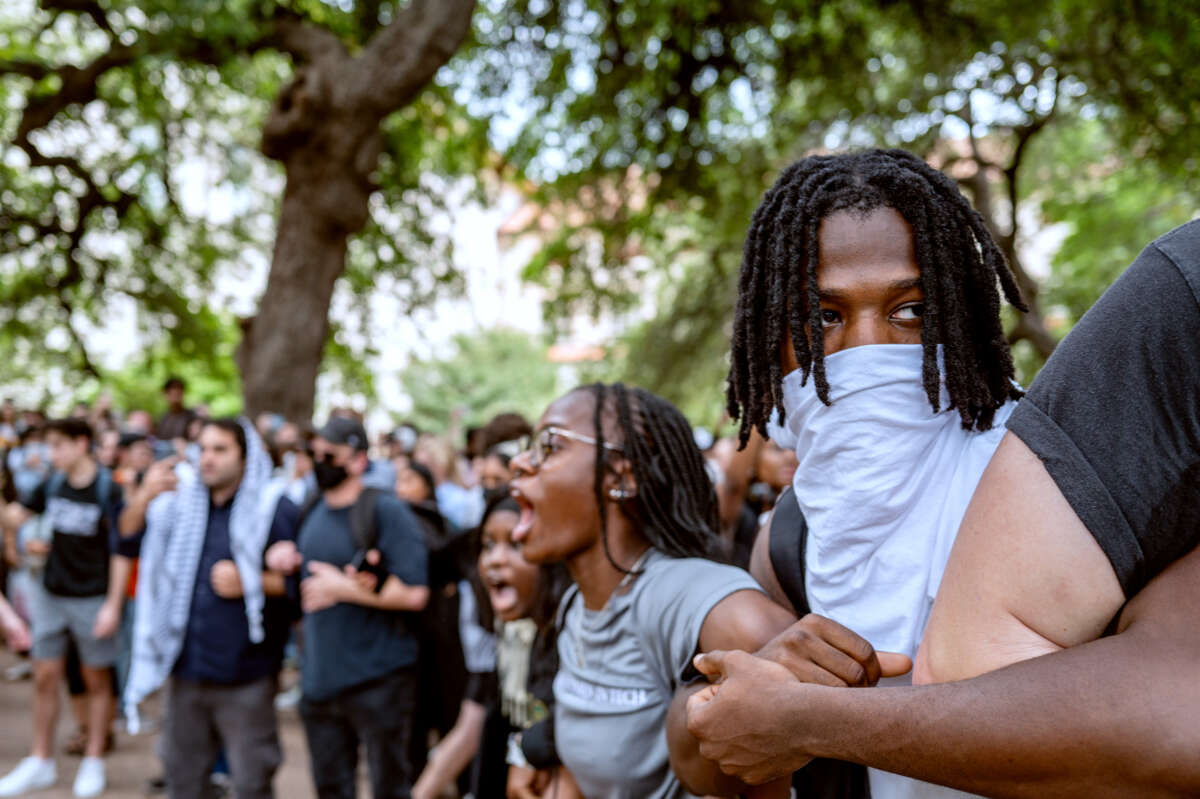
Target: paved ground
(133,762)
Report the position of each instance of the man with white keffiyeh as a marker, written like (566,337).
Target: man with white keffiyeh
(209,617)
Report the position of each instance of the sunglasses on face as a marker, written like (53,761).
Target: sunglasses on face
(543,444)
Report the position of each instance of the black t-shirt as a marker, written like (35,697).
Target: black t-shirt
(174,424)
(1115,414)
(216,646)
(83,524)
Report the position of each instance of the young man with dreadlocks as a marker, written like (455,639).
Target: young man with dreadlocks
(868,339)
(614,487)
(1066,623)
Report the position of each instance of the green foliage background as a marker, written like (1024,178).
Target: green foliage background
(648,131)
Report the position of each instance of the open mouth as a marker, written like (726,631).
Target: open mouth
(525,521)
(502,594)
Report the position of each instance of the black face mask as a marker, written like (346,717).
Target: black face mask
(328,474)
(491,495)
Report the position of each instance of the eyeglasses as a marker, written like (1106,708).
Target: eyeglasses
(542,445)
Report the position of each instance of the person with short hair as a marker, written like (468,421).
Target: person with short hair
(80,600)
(211,620)
(359,654)
(173,425)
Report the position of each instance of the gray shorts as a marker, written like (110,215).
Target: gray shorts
(54,618)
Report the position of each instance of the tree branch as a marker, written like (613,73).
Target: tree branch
(401,59)
(81,350)
(306,43)
(30,69)
(89,7)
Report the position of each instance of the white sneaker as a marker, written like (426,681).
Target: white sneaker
(31,774)
(89,781)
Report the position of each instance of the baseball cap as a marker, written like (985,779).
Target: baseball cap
(341,430)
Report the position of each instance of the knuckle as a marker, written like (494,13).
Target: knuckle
(856,674)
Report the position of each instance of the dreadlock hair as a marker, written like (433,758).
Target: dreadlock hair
(960,266)
(675,505)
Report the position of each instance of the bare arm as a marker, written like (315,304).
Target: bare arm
(108,619)
(328,585)
(16,632)
(395,595)
(274,584)
(1113,717)
(738,466)
(1025,577)
(12,516)
(744,620)
(160,477)
(453,753)
(763,571)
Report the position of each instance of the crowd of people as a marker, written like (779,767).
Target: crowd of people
(900,575)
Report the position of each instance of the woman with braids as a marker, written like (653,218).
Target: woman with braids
(614,487)
(868,339)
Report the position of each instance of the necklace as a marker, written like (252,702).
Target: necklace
(580,648)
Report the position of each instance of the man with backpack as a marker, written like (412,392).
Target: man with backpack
(360,651)
(80,599)
(209,618)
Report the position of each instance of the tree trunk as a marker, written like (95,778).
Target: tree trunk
(281,347)
(325,129)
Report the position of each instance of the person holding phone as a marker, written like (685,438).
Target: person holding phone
(209,619)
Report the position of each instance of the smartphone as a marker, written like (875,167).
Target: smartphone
(359,562)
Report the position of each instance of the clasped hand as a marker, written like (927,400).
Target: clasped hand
(748,720)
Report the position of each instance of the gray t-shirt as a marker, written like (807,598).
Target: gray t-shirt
(619,668)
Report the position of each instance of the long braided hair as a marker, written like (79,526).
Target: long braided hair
(960,267)
(675,506)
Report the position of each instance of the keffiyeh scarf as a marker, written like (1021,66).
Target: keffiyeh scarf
(176,525)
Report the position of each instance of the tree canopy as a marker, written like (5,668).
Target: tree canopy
(326,133)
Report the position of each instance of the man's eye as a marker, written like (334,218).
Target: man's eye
(830,317)
(909,313)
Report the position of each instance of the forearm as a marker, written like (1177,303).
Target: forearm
(8,615)
(119,569)
(395,595)
(1115,717)
(274,584)
(133,517)
(699,775)
(11,553)
(455,751)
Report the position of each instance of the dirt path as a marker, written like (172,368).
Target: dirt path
(133,762)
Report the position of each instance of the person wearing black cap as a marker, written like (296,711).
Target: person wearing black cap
(359,677)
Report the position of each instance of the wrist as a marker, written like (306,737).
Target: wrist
(831,719)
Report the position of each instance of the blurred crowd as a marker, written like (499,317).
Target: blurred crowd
(484,654)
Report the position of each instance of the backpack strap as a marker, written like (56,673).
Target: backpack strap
(55,483)
(821,778)
(104,487)
(310,502)
(363,524)
(787,537)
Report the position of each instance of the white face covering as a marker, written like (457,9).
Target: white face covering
(883,483)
